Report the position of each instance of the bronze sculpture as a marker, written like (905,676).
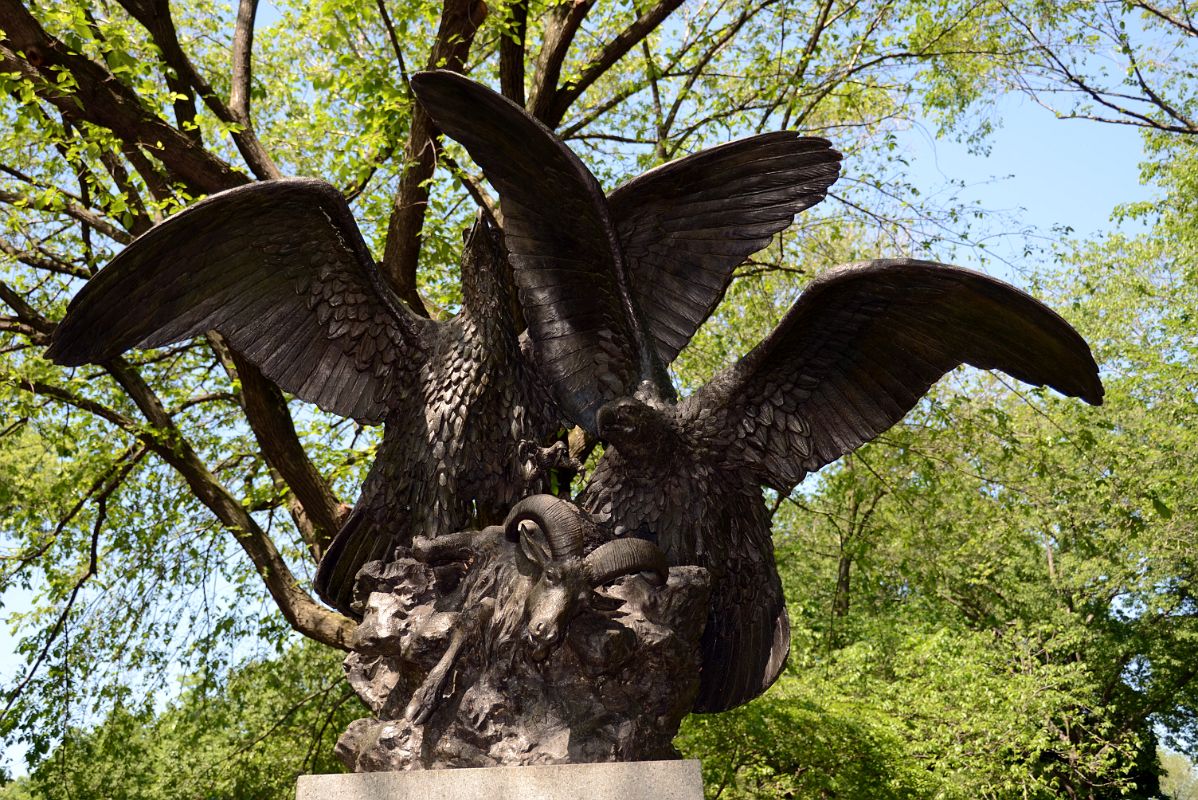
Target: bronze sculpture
(854,354)
(611,287)
(281,269)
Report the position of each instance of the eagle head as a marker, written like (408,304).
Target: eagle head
(633,426)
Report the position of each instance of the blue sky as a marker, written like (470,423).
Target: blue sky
(1045,172)
(1042,172)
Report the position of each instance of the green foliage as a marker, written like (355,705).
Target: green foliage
(994,600)
(1179,780)
(249,734)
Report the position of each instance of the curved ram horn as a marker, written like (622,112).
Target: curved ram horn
(625,557)
(560,521)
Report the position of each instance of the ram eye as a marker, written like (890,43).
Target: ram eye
(553,576)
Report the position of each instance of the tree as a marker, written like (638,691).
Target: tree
(168,507)
(997,597)
(117,115)
(250,733)
(1180,781)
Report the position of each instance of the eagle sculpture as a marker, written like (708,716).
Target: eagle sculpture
(855,352)
(281,269)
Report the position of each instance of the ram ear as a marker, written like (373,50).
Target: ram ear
(532,547)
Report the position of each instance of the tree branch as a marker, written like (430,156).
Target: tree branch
(25,312)
(395,48)
(301,611)
(70,208)
(319,513)
(252,151)
(97,96)
(92,568)
(102,100)
(817,31)
(155,17)
(163,438)
(697,70)
(1106,99)
(41,260)
(102,486)
(1186,26)
(460,20)
(645,24)
(511,53)
(563,23)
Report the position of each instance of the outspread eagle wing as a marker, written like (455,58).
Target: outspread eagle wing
(859,348)
(559,238)
(281,270)
(686,225)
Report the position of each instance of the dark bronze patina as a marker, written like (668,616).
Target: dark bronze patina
(576,630)
(857,350)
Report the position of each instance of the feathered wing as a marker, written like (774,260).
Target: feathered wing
(859,348)
(559,238)
(686,225)
(281,270)
(747,636)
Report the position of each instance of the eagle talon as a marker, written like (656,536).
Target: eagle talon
(540,460)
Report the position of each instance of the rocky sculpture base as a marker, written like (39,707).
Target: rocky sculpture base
(615,688)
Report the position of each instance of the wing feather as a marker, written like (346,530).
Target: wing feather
(279,268)
(559,238)
(859,348)
(691,222)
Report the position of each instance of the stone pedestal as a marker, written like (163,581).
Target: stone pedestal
(635,780)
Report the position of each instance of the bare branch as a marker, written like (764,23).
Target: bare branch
(239,95)
(460,20)
(201,399)
(1154,98)
(662,132)
(157,184)
(645,24)
(511,53)
(598,111)
(71,209)
(12,325)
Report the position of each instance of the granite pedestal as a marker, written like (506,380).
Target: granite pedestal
(636,780)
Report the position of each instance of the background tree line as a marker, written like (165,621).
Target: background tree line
(993,600)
